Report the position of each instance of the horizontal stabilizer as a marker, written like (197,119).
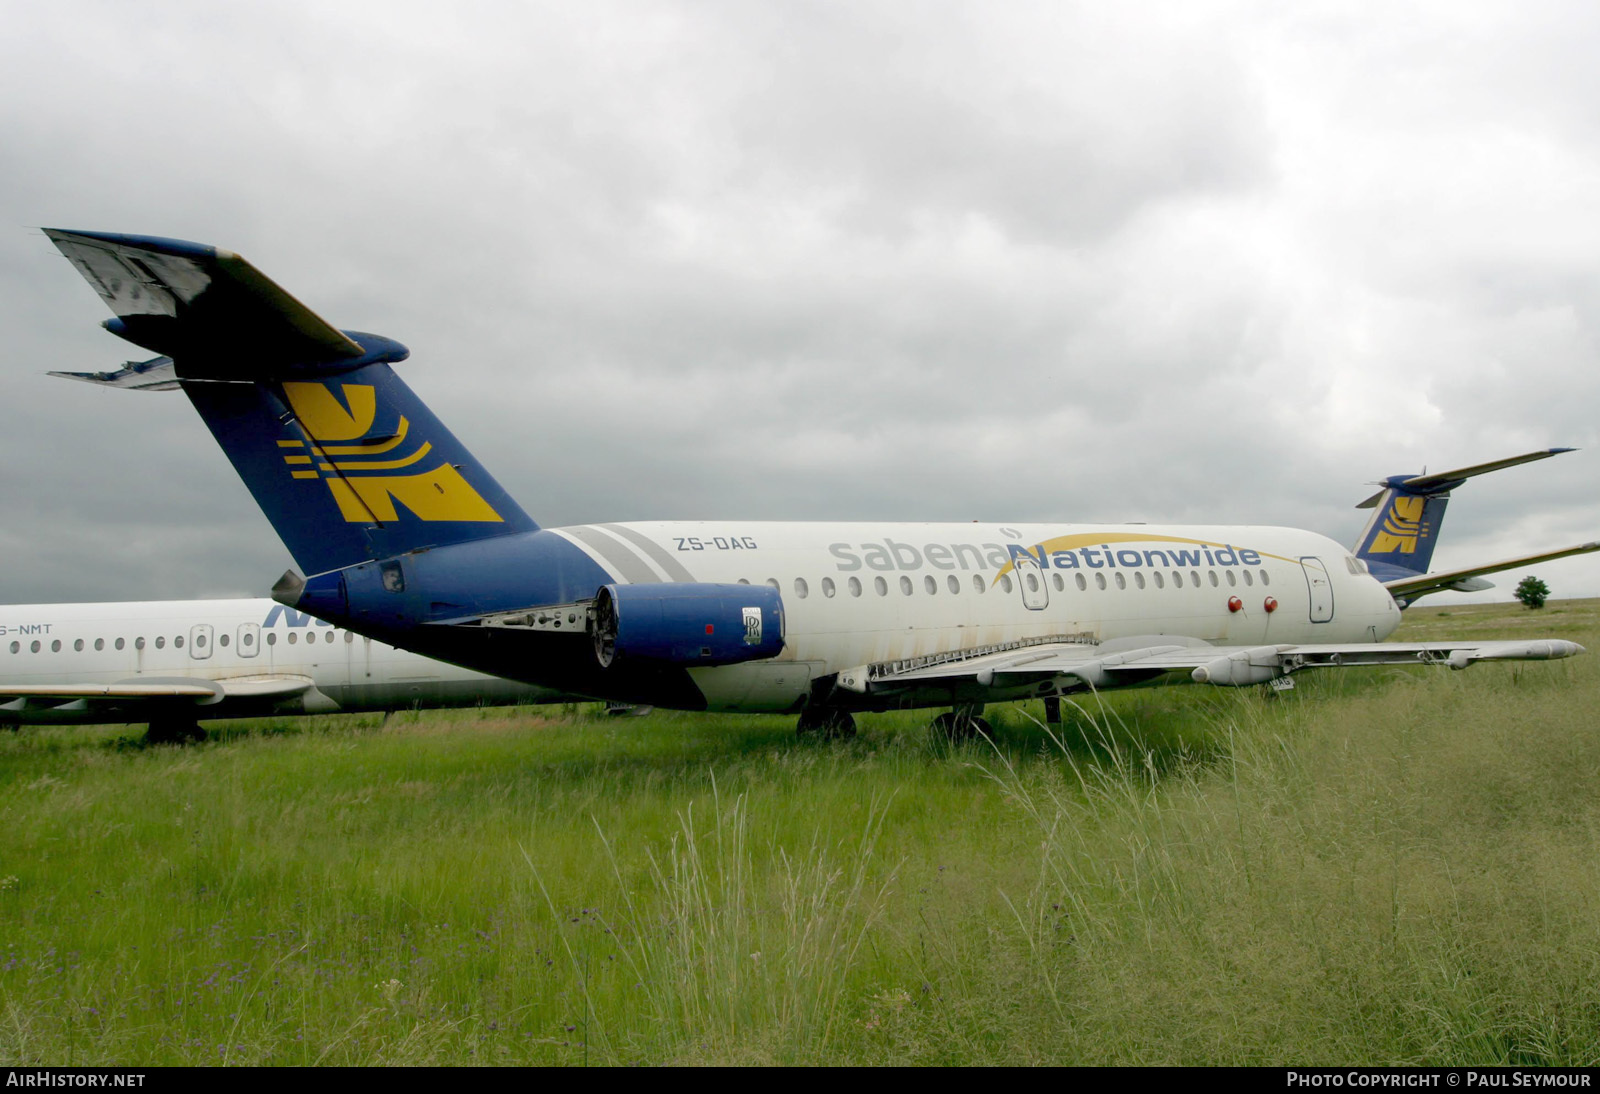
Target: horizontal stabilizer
(1449,480)
(1408,589)
(211,310)
(154,375)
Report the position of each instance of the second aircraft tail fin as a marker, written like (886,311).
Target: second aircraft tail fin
(1400,538)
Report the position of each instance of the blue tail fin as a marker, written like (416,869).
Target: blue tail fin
(1400,537)
(346,462)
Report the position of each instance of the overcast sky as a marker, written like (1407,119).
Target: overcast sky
(1208,262)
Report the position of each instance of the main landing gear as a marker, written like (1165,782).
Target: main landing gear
(174,731)
(961,724)
(831,722)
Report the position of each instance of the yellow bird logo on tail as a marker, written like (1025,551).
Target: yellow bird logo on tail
(359,473)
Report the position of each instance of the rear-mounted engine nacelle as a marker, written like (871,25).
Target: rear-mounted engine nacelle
(687,624)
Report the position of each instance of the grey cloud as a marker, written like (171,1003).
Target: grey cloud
(816,261)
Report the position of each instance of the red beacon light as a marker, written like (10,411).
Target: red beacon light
(1271,604)
(1235,604)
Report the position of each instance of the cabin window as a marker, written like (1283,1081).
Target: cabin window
(55,647)
(161,641)
(1265,580)
(348,638)
(801,589)
(329,639)
(222,640)
(1232,581)
(177,643)
(1005,583)
(294,637)
(855,586)
(1212,574)
(272,638)
(16,647)
(1082,584)
(978,585)
(742,581)
(1033,582)
(1248,580)
(955,585)
(827,587)
(138,643)
(930,584)
(1138,579)
(1122,582)
(33,647)
(248,639)
(1177,580)
(1100,580)
(905,584)
(880,586)
(1160,581)
(78,645)
(1055,579)
(99,643)
(1194,576)
(773,582)
(119,643)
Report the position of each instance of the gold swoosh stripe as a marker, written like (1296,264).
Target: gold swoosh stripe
(385,465)
(372,449)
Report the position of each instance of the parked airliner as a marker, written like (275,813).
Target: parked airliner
(407,539)
(175,663)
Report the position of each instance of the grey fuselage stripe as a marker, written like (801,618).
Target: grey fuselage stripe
(629,565)
(674,569)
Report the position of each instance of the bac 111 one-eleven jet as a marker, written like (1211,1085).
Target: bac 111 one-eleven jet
(177,663)
(404,537)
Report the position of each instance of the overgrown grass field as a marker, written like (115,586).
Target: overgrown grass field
(1397,866)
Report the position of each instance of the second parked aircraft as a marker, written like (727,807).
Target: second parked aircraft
(175,663)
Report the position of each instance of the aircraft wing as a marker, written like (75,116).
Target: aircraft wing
(1052,667)
(144,693)
(1410,588)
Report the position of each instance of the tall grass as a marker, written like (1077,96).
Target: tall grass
(1379,867)
(1412,884)
(741,962)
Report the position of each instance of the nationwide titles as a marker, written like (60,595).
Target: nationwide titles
(1079,552)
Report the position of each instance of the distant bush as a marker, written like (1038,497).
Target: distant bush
(1532,592)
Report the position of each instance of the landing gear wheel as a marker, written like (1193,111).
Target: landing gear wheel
(174,731)
(956,726)
(831,722)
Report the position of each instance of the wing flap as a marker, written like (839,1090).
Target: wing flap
(1068,666)
(64,692)
(160,690)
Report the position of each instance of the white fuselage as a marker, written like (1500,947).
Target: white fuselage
(857,594)
(223,640)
